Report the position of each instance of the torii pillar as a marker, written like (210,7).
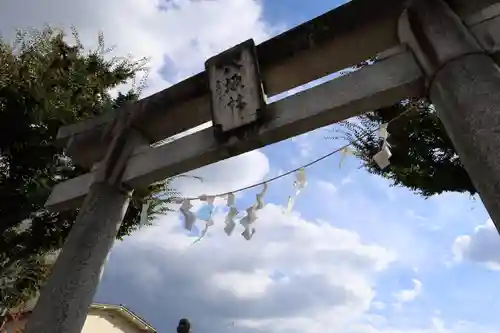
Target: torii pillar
(64,300)
(463,83)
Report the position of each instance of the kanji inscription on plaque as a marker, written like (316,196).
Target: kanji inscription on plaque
(235,86)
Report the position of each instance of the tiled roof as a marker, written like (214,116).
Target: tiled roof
(126,313)
(121,310)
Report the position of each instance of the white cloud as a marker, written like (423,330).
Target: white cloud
(177,39)
(182,35)
(346,180)
(482,246)
(378,305)
(243,285)
(436,325)
(293,276)
(409,295)
(327,187)
(227,175)
(360,206)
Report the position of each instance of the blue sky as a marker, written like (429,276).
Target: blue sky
(356,255)
(294,12)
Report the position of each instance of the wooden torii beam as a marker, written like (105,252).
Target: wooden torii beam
(382,84)
(188,102)
(331,42)
(417,51)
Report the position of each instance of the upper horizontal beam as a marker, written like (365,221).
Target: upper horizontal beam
(324,45)
(381,84)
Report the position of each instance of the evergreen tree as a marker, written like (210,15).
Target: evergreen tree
(423,157)
(46,83)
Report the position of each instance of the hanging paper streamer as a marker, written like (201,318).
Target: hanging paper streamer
(209,199)
(144,213)
(252,214)
(206,214)
(177,200)
(248,234)
(195,232)
(299,183)
(247,221)
(208,224)
(381,159)
(382,132)
(231,214)
(344,152)
(249,218)
(231,199)
(230,224)
(300,179)
(189,217)
(259,204)
(383,156)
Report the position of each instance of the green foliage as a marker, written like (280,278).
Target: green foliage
(21,280)
(46,83)
(423,157)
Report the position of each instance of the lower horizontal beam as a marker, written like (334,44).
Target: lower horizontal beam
(382,84)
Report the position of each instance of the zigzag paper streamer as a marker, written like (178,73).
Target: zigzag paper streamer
(299,183)
(230,224)
(208,224)
(259,203)
(231,199)
(177,200)
(248,220)
(382,132)
(189,217)
(209,199)
(231,214)
(382,157)
(248,234)
(206,214)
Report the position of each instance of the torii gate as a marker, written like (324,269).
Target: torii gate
(442,49)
